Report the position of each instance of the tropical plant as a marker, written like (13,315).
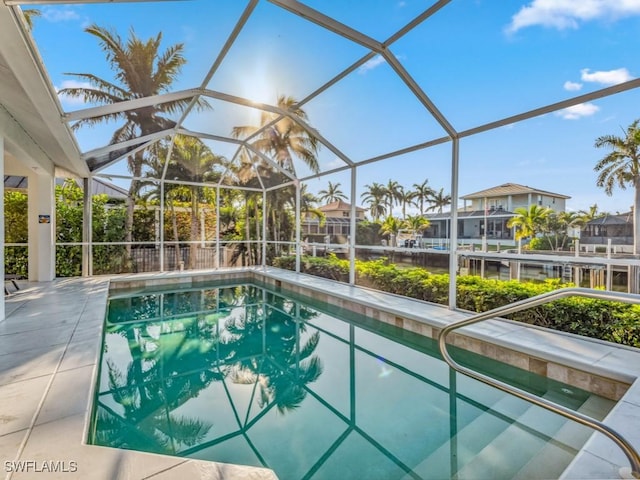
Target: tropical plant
(621,168)
(439,200)
(557,225)
(308,204)
(392,194)
(195,163)
(285,138)
(29,15)
(417,223)
(591,214)
(282,139)
(529,221)
(405,198)
(391,226)
(422,194)
(140,70)
(332,193)
(374,195)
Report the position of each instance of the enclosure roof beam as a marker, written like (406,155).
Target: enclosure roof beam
(329,23)
(119,107)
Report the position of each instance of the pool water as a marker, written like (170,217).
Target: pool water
(246,375)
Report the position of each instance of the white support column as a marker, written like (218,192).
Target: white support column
(2,309)
(42,225)
(160,238)
(352,230)
(453,243)
(87,230)
(298,252)
(217,262)
(264,228)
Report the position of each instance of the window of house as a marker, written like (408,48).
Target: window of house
(345,214)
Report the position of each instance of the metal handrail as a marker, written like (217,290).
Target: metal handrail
(629,451)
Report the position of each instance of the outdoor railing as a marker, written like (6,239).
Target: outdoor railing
(627,448)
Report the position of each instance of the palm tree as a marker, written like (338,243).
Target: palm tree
(591,214)
(375,196)
(405,197)
(391,226)
(529,221)
(332,193)
(29,15)
(140,70)
(284,139)
(621,167)
(439,200)
(422,193)
(194,163)
(392,194)
(308,204)
(417,223)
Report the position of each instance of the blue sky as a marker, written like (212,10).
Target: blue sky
(477,60)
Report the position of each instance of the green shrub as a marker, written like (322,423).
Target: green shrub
(611,321)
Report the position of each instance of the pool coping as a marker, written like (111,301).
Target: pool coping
(64,416)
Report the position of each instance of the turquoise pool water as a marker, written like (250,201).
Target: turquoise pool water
(242,374)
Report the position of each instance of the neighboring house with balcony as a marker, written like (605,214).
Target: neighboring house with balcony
(488,211)
(336,223)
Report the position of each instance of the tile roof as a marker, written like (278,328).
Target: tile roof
(510,189)
(338,205)
(608,219)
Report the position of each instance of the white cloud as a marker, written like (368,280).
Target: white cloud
(59,14)
(564,14)
(572,86)
(371,64)
(578,111)
(611,77)
(72,84)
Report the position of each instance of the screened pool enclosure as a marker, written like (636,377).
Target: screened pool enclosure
(222,120)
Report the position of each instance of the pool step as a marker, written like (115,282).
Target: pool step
(509,455)
(472,438)
(572,435)
(557,442)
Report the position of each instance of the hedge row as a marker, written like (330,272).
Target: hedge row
(611,321)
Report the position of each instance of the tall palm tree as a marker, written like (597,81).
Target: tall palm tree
(621,167)
(195,163)
(405,198)
(284,139)
(422,193)
(140,70)
(308,204)
(374,195)
(439,200)
(392,194)
(529,221)
(332,193)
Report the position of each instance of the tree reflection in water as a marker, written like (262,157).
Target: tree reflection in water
(179,343)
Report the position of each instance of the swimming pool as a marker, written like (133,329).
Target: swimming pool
(243,374)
